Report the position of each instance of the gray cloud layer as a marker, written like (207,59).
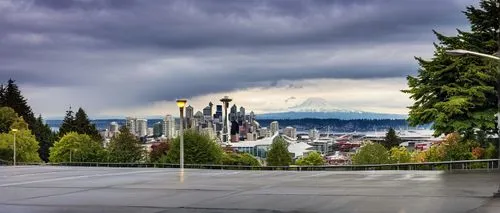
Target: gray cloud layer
(129,52)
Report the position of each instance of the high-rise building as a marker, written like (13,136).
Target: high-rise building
(274,127)
(189,112)
(233,113)
(131,124)
(207,112)
(158,129)
(313,134)
(290,132)
(142,127)
(169,126)
(242,111)
(218,112)
(150,131)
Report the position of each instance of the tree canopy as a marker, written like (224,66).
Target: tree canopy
(10,96)
(243,159)
(77,148)
(278,154)
(80,123)
(371,153)
(158,150)
(26,145)
(124,147)
(7,117)
(198,149)
(458,94)
(391,139)
(312,159)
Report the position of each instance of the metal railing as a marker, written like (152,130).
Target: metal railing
(486,164)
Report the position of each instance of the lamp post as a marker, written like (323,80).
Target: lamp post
(14,157)
(460,52)
(181,103)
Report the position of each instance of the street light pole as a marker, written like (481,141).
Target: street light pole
(14,157)
(181,103)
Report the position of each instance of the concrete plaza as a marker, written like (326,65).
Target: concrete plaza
(80,189)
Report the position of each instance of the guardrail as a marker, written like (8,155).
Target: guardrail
(484,164)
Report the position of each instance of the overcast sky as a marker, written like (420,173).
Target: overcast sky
(127,57)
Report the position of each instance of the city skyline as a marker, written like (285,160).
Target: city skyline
(268,55)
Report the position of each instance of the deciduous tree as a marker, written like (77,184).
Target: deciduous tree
(198,149)
(26,145)
(278,154)
(76,148)
(371,153)
(312,159)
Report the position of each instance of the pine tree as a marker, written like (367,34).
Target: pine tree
(46,138)
(391,139)
(13,98)
(10,96)
(68,124)
(83,125)
(278,154)
(458,94)
(2,95)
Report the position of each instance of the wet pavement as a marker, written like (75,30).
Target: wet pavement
(83,189)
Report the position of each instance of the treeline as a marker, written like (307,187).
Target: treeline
(340,125)
(78,140)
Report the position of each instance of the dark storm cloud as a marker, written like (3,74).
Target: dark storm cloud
(161,50)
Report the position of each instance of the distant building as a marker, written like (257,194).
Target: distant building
(290,132)
(169,126)
(251,136)
(142,127)
(209,131)
(189,112)
(113,127)
(242,112)
(131,125)
(313,134)
(274,127)
(263,132)
(158,129)
(150,131)
(233,114)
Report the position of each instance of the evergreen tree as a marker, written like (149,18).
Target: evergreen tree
(46,138)
(278,154)
(68,124)
(459,94)
(83,126)
(124,147)
(10,96)
(13,98)
(2,95)
(391,139)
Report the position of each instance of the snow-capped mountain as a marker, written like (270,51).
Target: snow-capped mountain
(322,109)
(317,105)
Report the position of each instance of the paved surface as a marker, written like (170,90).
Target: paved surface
(123,190)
